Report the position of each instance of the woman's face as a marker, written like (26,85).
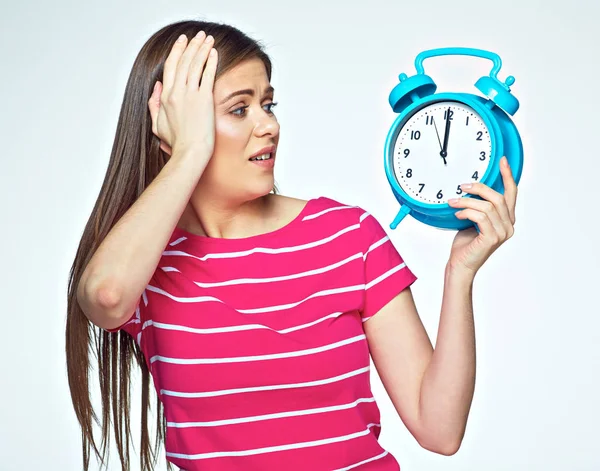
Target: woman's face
(244,125)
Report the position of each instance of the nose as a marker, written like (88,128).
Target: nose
(266,125)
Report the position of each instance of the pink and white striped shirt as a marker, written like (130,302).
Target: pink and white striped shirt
(257,348)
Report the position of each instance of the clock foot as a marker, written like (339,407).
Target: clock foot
(404,210)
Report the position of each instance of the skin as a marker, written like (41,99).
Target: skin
(232,197)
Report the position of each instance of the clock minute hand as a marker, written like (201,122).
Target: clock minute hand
(444,152)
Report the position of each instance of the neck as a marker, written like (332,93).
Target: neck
(226,219)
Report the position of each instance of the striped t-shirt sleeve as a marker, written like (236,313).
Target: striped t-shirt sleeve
(385,272)
(133,325)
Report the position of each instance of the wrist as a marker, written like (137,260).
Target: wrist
(459,273)
(195,157)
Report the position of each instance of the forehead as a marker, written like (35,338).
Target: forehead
(250,73)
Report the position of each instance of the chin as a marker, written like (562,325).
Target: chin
(261,189)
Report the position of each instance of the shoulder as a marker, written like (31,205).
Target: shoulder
(283,206)
(323,215)
(346,210)
(369,228)
(288,207)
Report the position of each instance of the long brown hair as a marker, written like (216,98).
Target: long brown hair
(135,160)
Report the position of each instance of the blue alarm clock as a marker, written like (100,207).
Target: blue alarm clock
(442,140)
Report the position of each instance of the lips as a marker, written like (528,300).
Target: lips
(264,150)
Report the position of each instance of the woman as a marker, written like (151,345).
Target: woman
(249,309)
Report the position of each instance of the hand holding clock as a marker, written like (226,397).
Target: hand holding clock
(495,217)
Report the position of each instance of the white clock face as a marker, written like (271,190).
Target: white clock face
(432,159)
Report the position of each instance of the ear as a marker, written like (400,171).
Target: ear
(153,107)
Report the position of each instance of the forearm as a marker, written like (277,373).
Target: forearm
(449,380)
(127,257)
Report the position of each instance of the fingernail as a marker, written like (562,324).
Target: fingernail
(505,161)
(453,200)
(181,38)
(466,185)
(155,87)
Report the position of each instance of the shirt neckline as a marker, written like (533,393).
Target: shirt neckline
(178,232)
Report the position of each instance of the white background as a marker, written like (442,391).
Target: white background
(64,69)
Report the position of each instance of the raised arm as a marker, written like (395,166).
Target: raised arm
(117,274)
(182,117)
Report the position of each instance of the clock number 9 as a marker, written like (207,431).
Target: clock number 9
(406,152)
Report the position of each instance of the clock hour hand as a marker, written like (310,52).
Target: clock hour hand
(438,136)
(444,152)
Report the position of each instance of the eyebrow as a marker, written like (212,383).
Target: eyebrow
(247,91)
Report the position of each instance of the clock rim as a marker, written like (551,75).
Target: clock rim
(465,99)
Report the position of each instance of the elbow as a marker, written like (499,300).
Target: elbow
(96,293)
(446,447)
(101,305)
(108,298)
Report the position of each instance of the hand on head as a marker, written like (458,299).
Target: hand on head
(182,107)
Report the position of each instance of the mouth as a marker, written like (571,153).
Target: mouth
(261,157)
(266,153)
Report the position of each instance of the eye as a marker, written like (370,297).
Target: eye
(241,111)
(272,105)
(242,108)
